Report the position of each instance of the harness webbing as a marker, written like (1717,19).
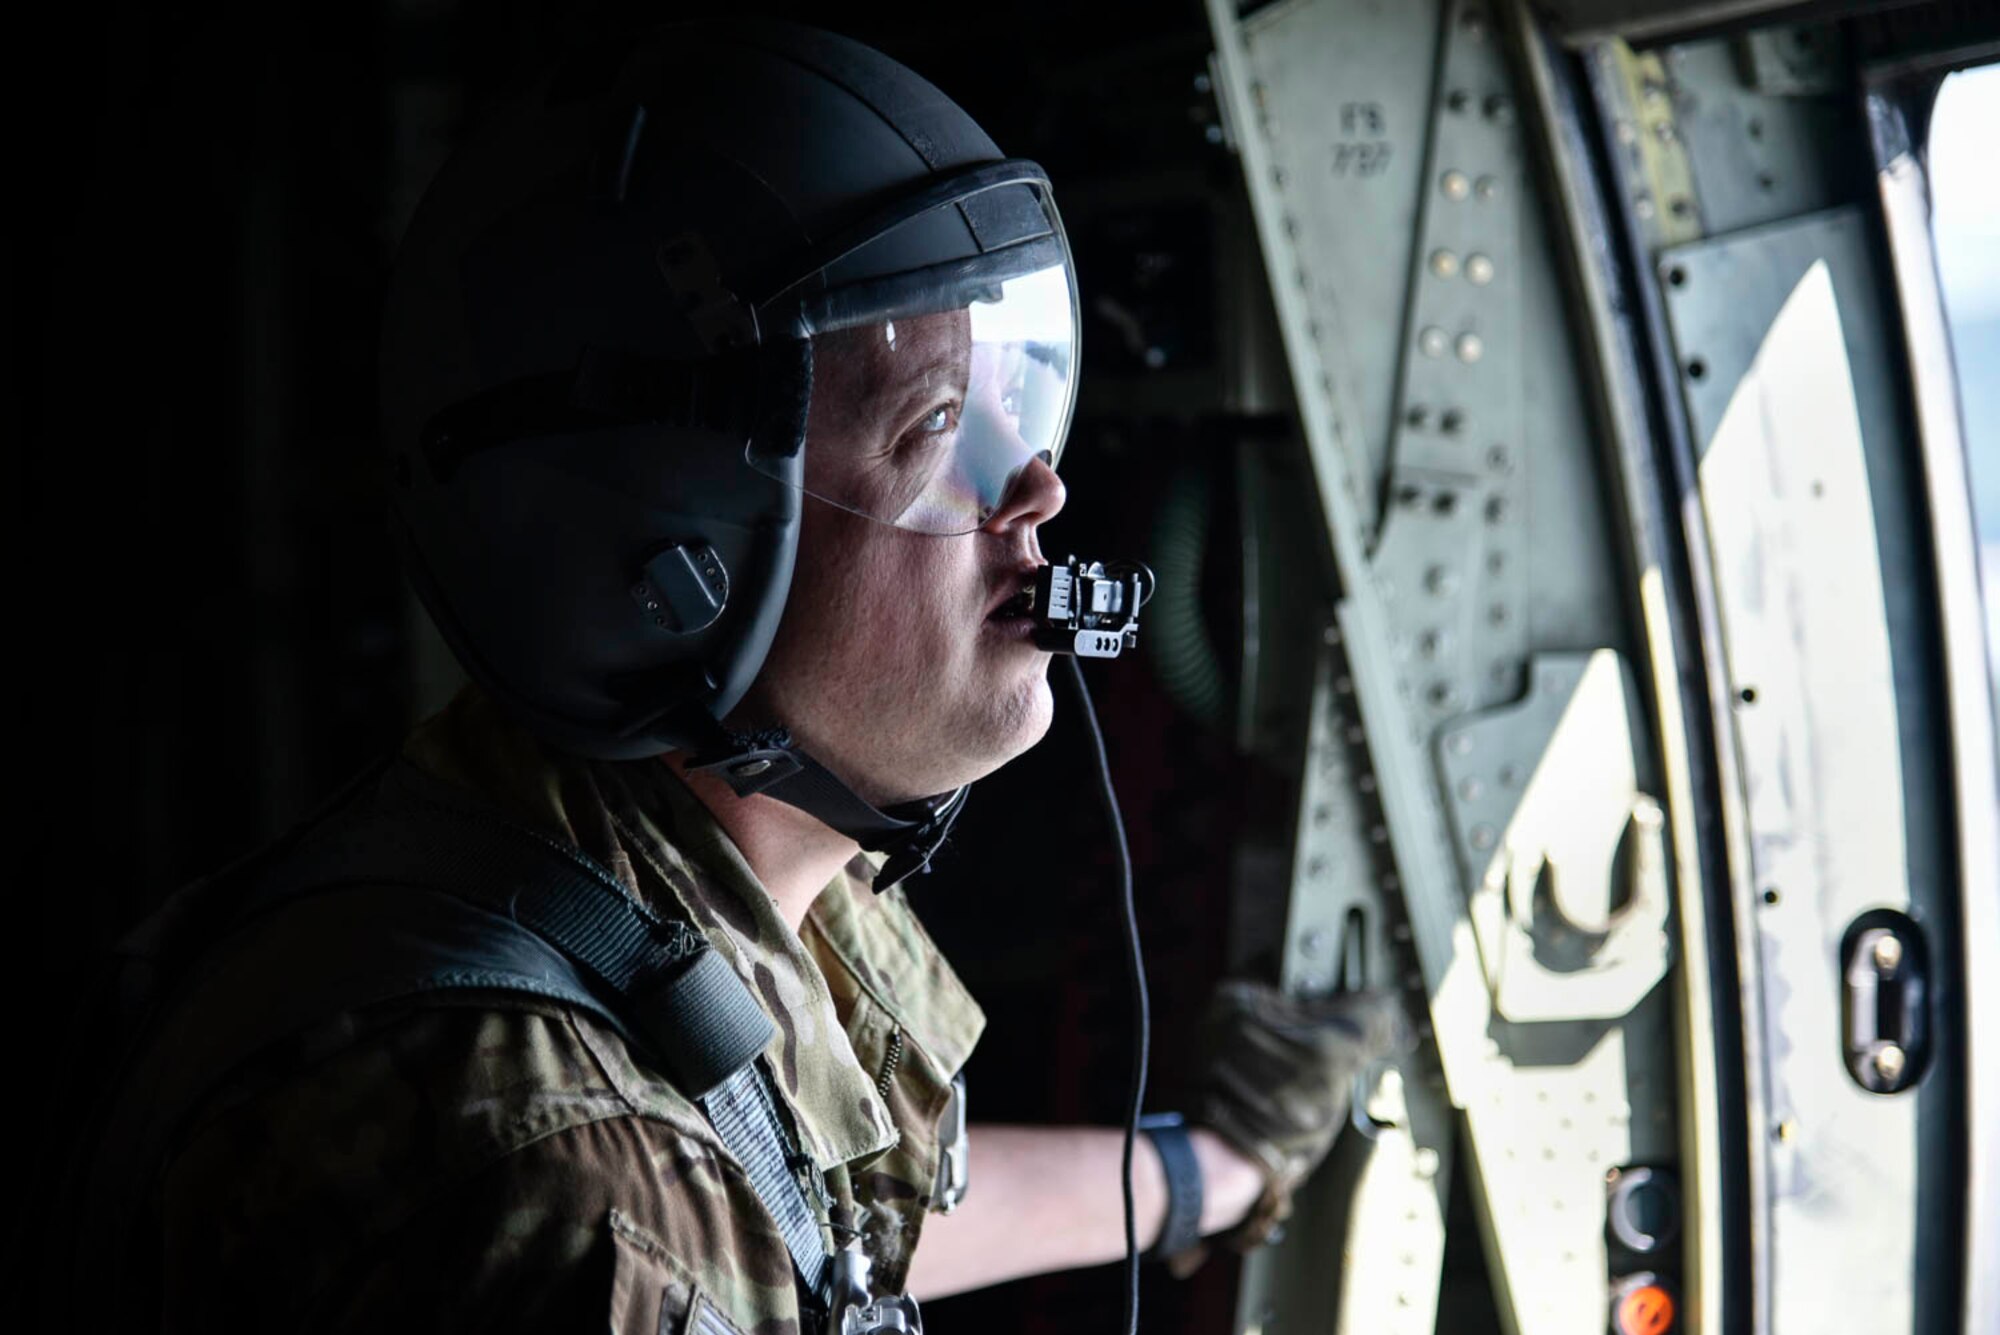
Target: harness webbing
(742,1113)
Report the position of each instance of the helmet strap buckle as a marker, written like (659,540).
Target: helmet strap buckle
(751,763)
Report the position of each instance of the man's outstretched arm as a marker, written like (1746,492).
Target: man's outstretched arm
(1276,1073)
(1047,1198)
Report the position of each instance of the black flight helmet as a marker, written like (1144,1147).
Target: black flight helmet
(598,359)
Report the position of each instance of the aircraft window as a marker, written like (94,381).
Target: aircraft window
(1965,226)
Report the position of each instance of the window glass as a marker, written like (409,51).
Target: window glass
(1965,225)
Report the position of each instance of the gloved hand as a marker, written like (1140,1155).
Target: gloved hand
(1277,1074)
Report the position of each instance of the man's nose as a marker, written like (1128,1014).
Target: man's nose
(1036,497)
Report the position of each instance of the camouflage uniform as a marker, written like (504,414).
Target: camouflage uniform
(496,1162)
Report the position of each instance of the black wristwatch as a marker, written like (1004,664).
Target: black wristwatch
(1182,1230)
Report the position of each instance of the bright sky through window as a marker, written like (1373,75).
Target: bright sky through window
(1965,220)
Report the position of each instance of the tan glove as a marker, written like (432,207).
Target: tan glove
(1277,1075)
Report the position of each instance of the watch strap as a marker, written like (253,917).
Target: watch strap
(1182,1229)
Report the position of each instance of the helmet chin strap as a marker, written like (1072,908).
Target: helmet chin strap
(770,763)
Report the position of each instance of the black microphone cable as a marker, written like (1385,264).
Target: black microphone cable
(1142,1022)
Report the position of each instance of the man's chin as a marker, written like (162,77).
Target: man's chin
(1006,726)
(1023,722)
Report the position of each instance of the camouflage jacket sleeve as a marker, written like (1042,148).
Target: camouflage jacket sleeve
(466,1168)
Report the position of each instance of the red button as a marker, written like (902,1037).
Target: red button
(1646,1311)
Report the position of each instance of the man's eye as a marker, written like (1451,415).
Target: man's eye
(931,430)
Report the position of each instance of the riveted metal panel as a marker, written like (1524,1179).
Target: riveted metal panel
(1663,202)
(1756,155)
(1566,854)
(1341,100)
(1571,908)
(1521,437)
(1384,1193)
(1493,534)
(1453,548)
(1784,385)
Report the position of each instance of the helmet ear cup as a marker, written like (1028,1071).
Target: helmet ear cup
(536,547)
(683,587)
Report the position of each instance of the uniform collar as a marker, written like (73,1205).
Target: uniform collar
(639,820)
(876,940)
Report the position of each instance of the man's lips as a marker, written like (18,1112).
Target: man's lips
(1015,597)
(1020,605)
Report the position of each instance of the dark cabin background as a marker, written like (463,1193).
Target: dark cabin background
(212,626)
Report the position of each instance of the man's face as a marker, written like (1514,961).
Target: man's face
(888,666)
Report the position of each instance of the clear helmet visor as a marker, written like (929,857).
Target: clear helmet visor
(927,409)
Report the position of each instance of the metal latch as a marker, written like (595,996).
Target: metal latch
(1885,1028)
(852,1310)
(953,1171)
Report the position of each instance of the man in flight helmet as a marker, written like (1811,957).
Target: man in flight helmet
(725,381)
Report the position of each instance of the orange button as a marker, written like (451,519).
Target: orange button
(1646,1311)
